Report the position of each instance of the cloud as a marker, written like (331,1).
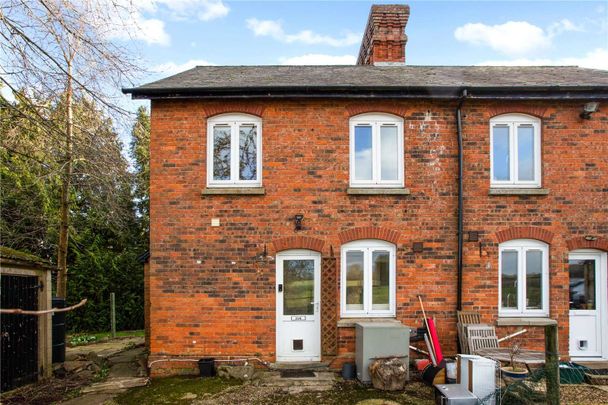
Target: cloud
(212,10)
(319,59)
(136,20)
(171,68)
(274,29)
(151,31)
(595,59)
(513,38)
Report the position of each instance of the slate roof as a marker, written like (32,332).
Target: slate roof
(218,80)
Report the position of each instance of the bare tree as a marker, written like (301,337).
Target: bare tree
(62,50)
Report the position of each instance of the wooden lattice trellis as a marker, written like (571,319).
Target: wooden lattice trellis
(329,307)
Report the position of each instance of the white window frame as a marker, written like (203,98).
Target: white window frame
(368,246)
(376,120)
(522,246)
(513,121)
(234,121)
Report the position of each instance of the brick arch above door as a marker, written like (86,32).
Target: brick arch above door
(369,232)
(580,242)
(298,242)
(524,232)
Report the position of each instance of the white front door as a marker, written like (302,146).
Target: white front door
(588,304)
(298,306)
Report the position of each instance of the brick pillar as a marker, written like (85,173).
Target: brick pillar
(384,38)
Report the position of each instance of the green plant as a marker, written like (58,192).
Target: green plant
(80,340)
(513,352)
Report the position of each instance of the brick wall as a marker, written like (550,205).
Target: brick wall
(211,296)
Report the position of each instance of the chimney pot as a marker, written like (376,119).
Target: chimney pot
(384,38)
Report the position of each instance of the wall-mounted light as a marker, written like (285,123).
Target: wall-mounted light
(298,221)
(590,238)
(588,109)
(418,247)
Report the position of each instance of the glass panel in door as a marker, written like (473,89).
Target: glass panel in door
(582,284)
(380,280)
(534,279)
(354,281)
(298,287)
(509,279)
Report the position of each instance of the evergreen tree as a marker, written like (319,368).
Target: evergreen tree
(140,153)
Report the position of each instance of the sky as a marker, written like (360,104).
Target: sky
(175,35)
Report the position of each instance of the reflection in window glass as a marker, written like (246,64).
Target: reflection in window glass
(363,152)
(380,280)
(247,152)
(525,152)
(534,279)
(500,152)
(582,284)
(509,279)
(354,280)
(389,153)
(298,287)
(221,152)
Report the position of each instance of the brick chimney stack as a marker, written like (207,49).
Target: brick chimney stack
(384,38)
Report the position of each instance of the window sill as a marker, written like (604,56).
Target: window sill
(377,191)
(523,321)
(519,191)
(234,191)
(350,322)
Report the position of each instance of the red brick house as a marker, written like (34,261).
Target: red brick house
(288,202)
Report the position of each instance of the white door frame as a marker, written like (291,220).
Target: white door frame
(601,299)
(294,326)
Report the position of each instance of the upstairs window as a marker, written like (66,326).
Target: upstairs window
(368,278)
(234,151)
(376,151)
(523,278)
(515,151)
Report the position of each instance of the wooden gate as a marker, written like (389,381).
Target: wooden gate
(19,339)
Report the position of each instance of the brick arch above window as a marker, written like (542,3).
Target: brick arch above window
(369,232)
(524,232)
(580,242)
(354,110)
(298,242)
(256,109)
(535,111)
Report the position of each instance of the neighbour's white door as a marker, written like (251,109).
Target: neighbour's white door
(588,304)
(298,306)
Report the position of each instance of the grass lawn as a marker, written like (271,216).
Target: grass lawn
(185,390)
(79,339)
(174,390)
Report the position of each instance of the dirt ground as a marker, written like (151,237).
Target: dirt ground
(85,367)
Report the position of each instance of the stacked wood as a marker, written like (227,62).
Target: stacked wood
(389,374)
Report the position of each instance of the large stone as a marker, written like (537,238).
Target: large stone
(389,374)
(75,366)
(244,373)
(97,359)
